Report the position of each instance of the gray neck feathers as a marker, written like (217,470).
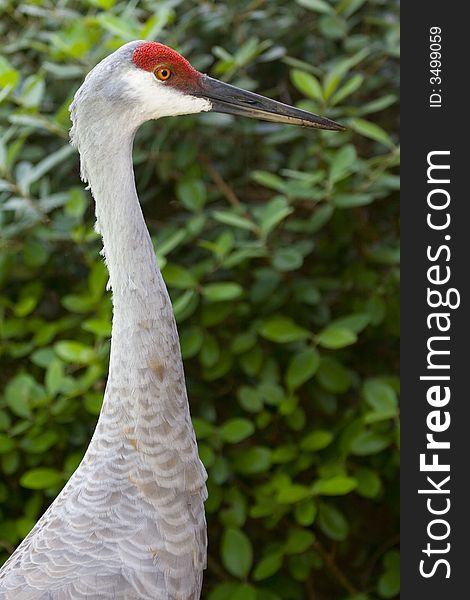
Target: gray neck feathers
(105,144)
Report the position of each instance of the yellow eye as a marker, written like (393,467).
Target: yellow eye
(163,73)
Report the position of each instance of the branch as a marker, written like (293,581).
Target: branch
(222,186)
(334,569)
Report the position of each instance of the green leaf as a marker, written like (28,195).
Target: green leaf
(316,440)
(307,83)
(333,376)
(106,4)
(380,396)
(170,242)
(74,352)
(210,351)
(369,442)
(332,522)
(333,27)
(352,200)
(287,259)
(41,478)
(253,460)
(320,217)
(250,399)
(355,321)
(191,341)
(6,444)
(236,552)
(185,304)
(243,256)
(233,219)
(222,245)
(93,402)
(271,392)
(371,130)
(25,306)
(120,27)
(349,7)
(305,512)
(284,454)
(178,277)
(243,591)
(334,486)
(46,165)
(243,341)
(342,163)
(101,328)
(389,582)
(5,420)
(235,430)
(273,213)
(320,6)
(302,367)
(298,540)
(202,428)
(9,77)
(267,566)
(98,279)
(375,416)
(269,180)
(192,194)
(76,203)
(218,292)
(43,357)
(252,361)
(384,253)
(29,298)
(206,454)
(224,591)
(378,104)
(340,69)
(54,376)
(33,90)
(282,330)
(40,443)
(18,395)
(331,82)
(3,158)
(352,85)
(292,493)
(368,482)
(334,337)
(78,304)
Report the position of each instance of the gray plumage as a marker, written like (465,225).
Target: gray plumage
(130,522)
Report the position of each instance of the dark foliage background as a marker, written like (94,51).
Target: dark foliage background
(279,247)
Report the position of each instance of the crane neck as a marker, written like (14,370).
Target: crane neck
(127,247)
(145,398)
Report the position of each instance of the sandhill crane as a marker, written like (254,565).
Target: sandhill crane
(130,523)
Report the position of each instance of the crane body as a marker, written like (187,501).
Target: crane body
(130,523)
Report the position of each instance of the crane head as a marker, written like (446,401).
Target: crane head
(148,80)
(142,81)
(178,88)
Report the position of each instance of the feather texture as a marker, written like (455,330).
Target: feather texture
(130,522)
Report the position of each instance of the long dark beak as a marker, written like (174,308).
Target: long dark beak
(229,99)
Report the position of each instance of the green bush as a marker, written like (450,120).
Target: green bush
(280,249)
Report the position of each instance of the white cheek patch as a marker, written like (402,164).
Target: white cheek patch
(155,99)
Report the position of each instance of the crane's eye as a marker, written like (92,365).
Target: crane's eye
(163,73)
